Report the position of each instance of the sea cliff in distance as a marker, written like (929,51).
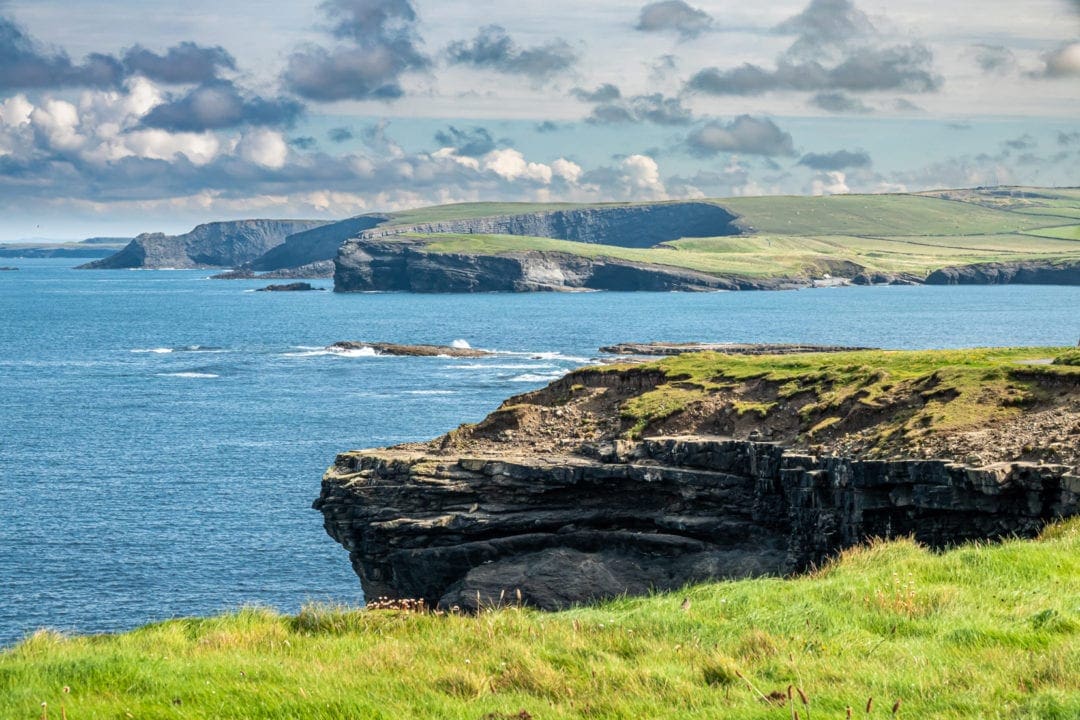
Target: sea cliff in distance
(982,235)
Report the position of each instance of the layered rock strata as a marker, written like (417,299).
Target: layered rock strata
(365,265)
(1032,272)
(632,517)
(218,244)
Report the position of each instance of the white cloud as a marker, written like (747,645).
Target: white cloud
(833,182)
(566,169)
(510,164)
(199,148)
(264,147)
(641,175)
(15,111)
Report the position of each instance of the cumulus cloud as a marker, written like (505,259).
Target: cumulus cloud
(25,64)
(745,134)
(838,102)
(1061,62)
(612,108)
(218,104)
(182,64)
(493,49)
(470,142)
(264,147)
(833,182)
(837,49)
(380,44)
(674,16)
(838,160)
(994,59)
(825,24)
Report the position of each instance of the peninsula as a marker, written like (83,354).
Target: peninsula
(705,466)
(978,236)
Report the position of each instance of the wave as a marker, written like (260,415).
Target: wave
(181,348)
(502,366)
(431,392)
(537,377)
(461,344)
(196,375)
(317,352)
(554,355)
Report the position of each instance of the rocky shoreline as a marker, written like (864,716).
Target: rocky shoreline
(557,496)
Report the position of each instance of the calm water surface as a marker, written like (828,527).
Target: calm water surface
(162,436)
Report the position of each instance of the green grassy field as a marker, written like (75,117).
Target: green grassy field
(767,255)
(983,631)
(804,237)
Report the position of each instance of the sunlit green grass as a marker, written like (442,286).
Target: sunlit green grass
(989,631)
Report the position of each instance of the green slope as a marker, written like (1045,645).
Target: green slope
(984,631)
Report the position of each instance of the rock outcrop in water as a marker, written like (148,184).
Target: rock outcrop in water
(219,244)
(404,265)
(1031,272)
(551,495)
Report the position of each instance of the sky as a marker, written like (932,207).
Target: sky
(122,116)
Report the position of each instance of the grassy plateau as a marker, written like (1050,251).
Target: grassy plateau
(982,631)
(805,237)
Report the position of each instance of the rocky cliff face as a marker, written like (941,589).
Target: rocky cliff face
(1027,272)
(551,497)
(219,244)
(657,514)
(626,226)
(319,244)
(403,265)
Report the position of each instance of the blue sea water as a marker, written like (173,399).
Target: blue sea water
(162,436)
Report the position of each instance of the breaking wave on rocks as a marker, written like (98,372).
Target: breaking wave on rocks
(192,375)
(181,348)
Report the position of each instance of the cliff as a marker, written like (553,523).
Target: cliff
(638,226)
(743,466)
(1030,272)
(405,265)
(218,244)
(319,244)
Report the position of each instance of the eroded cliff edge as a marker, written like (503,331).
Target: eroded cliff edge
(630,479)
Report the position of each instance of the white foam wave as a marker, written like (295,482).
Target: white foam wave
(196,375)
(502,366)
(537,377)
(558,356)
(351,353)
(461,344)
(156,351)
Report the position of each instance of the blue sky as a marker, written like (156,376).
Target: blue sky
(116,118)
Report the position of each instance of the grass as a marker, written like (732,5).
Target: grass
(1067,232)
(787,256)
(983,631)
(956,389)
(809,237)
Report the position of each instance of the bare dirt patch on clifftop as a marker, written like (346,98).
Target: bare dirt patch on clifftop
(974,406)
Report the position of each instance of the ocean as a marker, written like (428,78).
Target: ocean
(162,435)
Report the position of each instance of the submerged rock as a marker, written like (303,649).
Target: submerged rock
(291,287)
(381,348)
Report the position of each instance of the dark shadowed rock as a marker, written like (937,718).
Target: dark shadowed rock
(873,277)
(219,244)
(291,287)
(404,265)
(317,245)
(654,515)
(8,268)
(1031,272)
(312,271)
